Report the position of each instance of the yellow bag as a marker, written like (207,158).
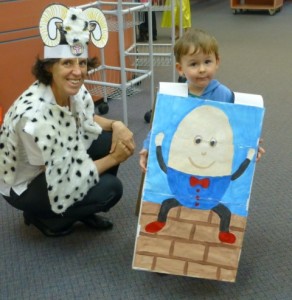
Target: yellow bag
(186,14)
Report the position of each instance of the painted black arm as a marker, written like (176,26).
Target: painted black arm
(160,159)
(241,169)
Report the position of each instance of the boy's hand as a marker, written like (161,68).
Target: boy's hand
(143,160)
(261,151)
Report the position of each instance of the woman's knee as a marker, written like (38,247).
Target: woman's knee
(106,193)
(113,185)
(101,146)
(115,193)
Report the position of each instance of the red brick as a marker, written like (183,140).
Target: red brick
(202,271)
(224,256)
(153,246)
(150,207)
(189,251)
(177,229)
(238,221)
(174,212)
(227,275)
(172,266)
(143,261)
(194,214)
(206,234)
(214,218)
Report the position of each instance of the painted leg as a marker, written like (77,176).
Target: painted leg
(166,206)
(225,215)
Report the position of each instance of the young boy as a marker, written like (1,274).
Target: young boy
(197,59)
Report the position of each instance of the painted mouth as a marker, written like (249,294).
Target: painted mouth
(201,167)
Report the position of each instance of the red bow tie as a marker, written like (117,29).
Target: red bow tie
(205,182)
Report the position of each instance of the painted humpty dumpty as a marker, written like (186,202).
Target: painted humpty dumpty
(199,168)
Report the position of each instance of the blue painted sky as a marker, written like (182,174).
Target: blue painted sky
(246,122)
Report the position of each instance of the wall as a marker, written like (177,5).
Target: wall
(188,245)
(20,44)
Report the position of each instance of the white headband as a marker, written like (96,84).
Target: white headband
(67,31)
(65,51)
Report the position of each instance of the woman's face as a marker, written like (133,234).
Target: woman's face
(67,77)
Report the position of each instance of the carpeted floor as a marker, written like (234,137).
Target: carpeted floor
(255,58)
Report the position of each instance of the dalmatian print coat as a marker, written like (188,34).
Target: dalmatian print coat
(62,137)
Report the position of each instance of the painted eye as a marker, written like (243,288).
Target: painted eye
(198,139)
(213,142)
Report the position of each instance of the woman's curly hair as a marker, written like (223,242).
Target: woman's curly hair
(42,66)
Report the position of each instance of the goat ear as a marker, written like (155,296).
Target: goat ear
(97,26)
(50,23)
(59,25)
(92,27)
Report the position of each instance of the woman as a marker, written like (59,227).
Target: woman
(59,161)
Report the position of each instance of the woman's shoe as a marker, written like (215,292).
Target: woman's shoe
(30,219)
(97,222)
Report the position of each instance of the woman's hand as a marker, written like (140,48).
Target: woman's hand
(121,152)
(121,133)
(143,160)
(117,156)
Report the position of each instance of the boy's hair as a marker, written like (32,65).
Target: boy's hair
(197,38)
(41,67)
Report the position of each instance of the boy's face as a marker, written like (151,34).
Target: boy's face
(199,69)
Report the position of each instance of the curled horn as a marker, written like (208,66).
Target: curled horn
(97,26)
(50,22)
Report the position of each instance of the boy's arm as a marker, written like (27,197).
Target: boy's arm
(144,153)
(261,151)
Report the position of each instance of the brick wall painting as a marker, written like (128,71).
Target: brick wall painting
(197,187)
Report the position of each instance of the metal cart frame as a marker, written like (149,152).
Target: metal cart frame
(123,15)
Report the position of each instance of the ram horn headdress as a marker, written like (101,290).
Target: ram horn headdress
(67,31)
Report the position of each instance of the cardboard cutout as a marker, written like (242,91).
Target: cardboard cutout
(197,187)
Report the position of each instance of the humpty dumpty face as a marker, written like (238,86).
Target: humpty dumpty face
(203,143)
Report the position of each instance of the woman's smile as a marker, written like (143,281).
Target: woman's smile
(75,82)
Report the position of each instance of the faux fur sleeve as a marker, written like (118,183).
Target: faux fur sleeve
(70,172)
(62,137)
